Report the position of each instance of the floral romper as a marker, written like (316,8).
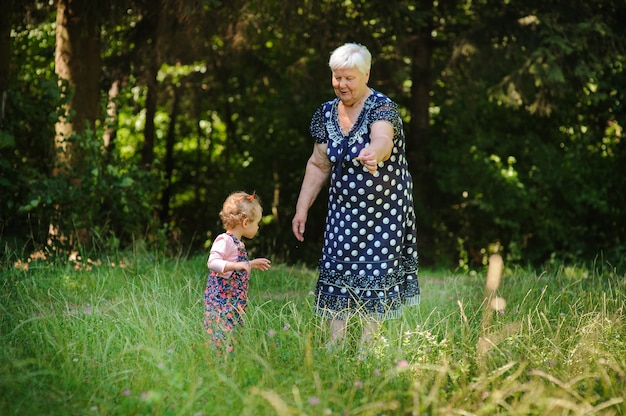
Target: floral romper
(225,301)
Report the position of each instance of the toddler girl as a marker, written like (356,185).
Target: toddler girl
(226,293)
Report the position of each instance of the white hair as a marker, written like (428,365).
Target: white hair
(351,55)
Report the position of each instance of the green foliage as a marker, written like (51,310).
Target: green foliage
(527,169)
(125,337)
(114,203)
(27,130)
(27,149)
(524,153)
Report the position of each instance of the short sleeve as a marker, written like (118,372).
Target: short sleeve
(387,110)
(318,125)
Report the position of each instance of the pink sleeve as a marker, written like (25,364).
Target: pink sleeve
(223,250)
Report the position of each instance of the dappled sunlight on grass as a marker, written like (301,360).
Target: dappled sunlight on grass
(74,259)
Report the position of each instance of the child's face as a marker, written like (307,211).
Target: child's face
(251,226)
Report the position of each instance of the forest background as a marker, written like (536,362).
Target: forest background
(126,122)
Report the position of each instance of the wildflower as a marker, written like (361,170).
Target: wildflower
(358,384)
(314,401)
(151,396)
(376,372)
(126,392)
(402,364)
(286,327)
(271,333)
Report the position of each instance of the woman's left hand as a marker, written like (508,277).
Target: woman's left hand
(368,158)
(380,146)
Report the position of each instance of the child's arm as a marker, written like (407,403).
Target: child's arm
(232,266)
(224,255)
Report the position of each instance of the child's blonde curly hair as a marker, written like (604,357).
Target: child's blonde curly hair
(239,206)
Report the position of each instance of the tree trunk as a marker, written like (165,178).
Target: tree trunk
(152,84)
(112,115)
(421,75)
(78,63)
(418,148)
(5,57)
(147,151)
(170,141)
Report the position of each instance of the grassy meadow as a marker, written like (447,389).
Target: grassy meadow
(125,338)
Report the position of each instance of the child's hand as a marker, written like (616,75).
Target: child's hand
(260,263)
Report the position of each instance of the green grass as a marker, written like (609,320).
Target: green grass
(128,340)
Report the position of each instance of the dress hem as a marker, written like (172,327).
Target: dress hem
(368,316)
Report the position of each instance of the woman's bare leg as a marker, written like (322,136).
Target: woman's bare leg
(338,330)
(370,330)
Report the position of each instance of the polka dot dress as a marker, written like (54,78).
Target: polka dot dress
(369,257)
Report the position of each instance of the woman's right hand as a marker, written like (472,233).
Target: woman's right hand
(316,175)
(298,225)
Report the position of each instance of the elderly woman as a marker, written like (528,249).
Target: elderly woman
(369,258)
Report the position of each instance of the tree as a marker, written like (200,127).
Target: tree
(5,55)
(506,105)
(78,65)
(514,106)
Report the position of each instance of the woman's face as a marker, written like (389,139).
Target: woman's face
(350,84)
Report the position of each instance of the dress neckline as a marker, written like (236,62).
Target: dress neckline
(359,119)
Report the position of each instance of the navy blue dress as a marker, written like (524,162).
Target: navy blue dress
(369,258)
